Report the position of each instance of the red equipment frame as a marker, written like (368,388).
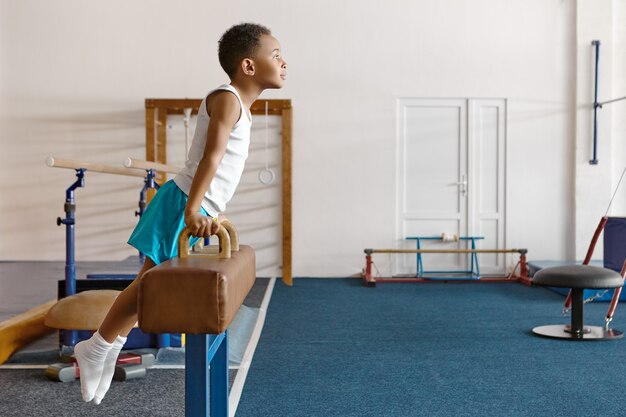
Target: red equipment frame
(594,240)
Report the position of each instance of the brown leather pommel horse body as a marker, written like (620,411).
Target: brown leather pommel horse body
(199,294)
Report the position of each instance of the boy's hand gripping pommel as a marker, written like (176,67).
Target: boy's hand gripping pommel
(200,225)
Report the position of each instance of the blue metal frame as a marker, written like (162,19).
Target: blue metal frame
(70,336)
(149,182)
(598,105)
(594,161)
(472,273)
(206,390)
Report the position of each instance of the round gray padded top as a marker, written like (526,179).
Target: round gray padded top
(578,276)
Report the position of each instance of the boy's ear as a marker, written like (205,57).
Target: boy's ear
(247,65)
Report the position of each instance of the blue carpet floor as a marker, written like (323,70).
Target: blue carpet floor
(337,348)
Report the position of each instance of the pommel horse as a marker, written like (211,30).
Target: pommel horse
(199,295)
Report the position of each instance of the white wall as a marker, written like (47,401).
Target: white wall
(75,73)
(619,108)
(595,184)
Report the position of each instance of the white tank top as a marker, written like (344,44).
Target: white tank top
(230,168)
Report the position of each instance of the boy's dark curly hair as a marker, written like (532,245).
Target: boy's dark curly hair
(239,42)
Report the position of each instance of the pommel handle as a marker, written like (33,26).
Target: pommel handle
(234,237)
(224,243)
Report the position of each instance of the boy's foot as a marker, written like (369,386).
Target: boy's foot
(90,355)
(109,369)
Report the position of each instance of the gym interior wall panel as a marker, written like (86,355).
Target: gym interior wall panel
(619,90)
(594,183)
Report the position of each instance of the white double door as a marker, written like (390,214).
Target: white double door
(451,179)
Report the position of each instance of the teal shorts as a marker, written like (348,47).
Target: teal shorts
(156,234)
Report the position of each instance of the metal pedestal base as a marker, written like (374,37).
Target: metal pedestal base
(576,330)
(561,331)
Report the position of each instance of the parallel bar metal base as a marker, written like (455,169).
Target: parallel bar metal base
(560,331)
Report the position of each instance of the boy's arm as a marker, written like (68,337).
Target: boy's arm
(224,113)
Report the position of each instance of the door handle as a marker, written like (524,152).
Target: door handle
(462,185)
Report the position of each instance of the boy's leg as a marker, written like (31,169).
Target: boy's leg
(122,316)
(119,321)
(92,354)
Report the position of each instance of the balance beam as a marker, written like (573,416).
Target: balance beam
(199,295)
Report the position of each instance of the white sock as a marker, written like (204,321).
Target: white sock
(90,355)
(109,369)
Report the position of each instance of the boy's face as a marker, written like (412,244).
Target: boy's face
(270,67)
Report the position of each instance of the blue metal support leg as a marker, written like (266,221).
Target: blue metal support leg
(219,380)
(200,352)
(70,336)
(472,273)
(164,340)
(420,266)
(149,182)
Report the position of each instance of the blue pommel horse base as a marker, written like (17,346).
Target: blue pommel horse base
(199,295)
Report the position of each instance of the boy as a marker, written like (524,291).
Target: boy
(251,57)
